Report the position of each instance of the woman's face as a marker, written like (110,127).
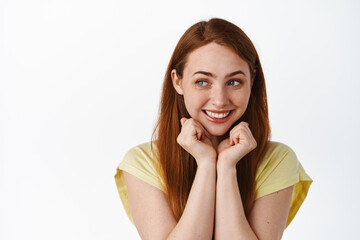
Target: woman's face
(216,85)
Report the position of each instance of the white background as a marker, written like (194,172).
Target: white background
(80,84)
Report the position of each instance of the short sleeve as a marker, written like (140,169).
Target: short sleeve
(139,162)
(280,169)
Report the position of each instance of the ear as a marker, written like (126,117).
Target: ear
(177,82)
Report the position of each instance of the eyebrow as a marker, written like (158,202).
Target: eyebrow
(214,76)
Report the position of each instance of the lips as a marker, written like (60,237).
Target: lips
(217,116)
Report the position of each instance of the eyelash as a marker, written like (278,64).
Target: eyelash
(199,81)
(239,82)
(229,83)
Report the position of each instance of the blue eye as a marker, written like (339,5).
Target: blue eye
(234,82)
(201,83)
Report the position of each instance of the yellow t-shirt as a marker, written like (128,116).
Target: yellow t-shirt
(279,169)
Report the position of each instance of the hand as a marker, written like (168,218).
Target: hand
(194,140)
(239,143)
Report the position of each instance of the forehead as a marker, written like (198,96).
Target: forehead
(215,58)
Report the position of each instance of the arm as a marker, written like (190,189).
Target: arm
(230,221)
(152,214)
(150,209)
(197,221)
(267,218)
(269,214)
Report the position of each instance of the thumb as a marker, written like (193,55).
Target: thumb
(183,120)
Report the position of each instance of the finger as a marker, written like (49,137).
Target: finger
(249,133)
(249,137)
(237,138)
(235,134)
(238,134)
(196,129)
(234,139)
(242,133)
(199,129)
(239,126)
(198,134)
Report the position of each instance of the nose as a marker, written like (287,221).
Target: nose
(219,97)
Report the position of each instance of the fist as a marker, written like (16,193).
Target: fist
(194,140)
(239,143)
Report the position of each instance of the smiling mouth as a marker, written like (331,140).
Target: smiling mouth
(217,115)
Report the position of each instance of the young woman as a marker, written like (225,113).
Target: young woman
(210,171)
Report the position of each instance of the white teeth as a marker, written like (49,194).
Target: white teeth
(217,115)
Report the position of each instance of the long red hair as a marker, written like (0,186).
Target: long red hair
(178,166)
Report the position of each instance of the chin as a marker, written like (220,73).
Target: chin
(217,132)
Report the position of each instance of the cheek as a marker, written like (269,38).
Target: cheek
(194,101)
(242,100)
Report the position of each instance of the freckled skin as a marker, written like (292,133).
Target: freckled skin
(218,92)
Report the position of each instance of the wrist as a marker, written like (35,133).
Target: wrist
(209,162)
(226,171)
(224,164)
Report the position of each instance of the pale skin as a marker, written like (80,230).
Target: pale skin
(214,201)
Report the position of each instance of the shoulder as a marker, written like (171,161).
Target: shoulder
(144,153)
(140,149)
(278,169)
(141,161)
(278,149)
(140,168)
(276,154)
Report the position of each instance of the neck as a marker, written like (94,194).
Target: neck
(215,140)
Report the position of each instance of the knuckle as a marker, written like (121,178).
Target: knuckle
(242,124)
(179,140)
